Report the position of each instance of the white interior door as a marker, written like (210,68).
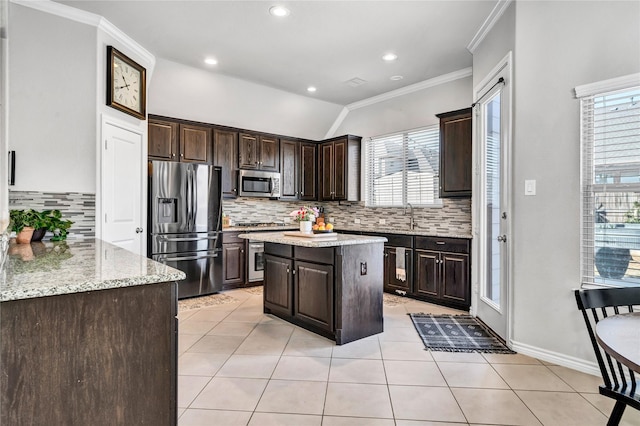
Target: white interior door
(491,200)
(122,188)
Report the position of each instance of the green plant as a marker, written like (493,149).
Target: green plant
(633,215)
(23,218)
(51,220)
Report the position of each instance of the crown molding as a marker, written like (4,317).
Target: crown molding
(445,78)
(488,24)
(332,131)
(608,85)
(88,18)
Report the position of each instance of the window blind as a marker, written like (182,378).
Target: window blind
(610,249)
(403,168)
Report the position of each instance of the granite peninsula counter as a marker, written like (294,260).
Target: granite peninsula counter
(331,287)
(89,336)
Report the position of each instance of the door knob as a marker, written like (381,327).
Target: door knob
(139,230)
(502,238)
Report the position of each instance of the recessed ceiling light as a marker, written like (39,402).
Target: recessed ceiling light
(211,61)
(390,57)
(311,89)
(279,11)
(396,77)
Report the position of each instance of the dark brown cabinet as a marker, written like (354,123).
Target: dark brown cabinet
(393,284)
(225,147)
(289,168)
(455,154)
(313,287)
(340,169)
(278,284)
(442,273)
(298,170)
(233,260)
(258,152)
(173,141)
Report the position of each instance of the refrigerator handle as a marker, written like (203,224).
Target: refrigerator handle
(219,195)
(194,198)
(189,199)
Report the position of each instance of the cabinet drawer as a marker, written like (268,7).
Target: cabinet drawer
(395,240)
(317,255)
(452,245)
(231,237)
(282,250)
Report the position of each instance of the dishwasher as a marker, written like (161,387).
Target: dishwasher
(256,261)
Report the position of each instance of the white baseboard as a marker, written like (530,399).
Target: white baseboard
(589,367)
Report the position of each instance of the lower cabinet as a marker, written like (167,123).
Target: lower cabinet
(392,283)
(278,280)
(442,273)
(313,289)
(233,260)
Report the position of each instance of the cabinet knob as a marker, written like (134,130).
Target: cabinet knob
(234,190)
(172,155)
(181,155)
(241,251)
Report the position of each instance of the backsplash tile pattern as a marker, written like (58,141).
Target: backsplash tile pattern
(453,218)
(80,208)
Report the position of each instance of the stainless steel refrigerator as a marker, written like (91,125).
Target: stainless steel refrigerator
(185,217)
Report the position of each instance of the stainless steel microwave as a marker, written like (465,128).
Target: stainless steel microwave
(254,183)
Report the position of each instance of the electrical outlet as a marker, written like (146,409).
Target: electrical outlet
(356,221)
(332,220)
(363,268)
(382,221)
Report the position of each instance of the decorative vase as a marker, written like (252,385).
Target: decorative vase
(24,236)
(305,226)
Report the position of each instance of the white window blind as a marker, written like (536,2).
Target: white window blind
(403,168)
(611,188)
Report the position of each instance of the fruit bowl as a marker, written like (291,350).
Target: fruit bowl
(326,231)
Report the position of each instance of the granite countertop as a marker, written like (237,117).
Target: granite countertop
(341,240)
(65,267)
(353,228)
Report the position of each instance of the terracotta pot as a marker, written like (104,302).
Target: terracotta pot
(24,237)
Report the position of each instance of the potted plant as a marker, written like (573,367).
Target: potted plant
(305,215)
(33,224)
(23,223)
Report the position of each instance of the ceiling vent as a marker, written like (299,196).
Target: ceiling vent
(355,82)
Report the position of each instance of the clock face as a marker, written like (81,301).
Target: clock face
(126,84)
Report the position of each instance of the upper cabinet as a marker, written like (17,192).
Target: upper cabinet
(298,170)
(258,152)
(179,142)
(340,169)
(225,147)
(455,154)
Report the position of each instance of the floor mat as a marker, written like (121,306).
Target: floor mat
(204,301)
(457,333)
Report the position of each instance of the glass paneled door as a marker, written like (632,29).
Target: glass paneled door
(492,216)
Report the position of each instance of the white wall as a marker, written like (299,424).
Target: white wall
(4,116)
(558,46)
(417,109)
(190,93)
(52,90)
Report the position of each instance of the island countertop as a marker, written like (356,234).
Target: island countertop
(75,266)
(341,240)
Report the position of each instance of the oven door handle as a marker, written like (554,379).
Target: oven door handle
(179,259)
(178,240)
(257,246)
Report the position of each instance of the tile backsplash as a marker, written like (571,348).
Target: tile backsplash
(80,208)
(453,217)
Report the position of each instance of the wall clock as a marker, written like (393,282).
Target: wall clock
(126,84)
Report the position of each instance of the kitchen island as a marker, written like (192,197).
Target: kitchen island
(89,336)
(331,285)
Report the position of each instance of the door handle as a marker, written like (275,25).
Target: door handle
(178,259)
(139,230)
(502,238)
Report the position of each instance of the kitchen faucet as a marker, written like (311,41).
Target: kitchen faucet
(411,221)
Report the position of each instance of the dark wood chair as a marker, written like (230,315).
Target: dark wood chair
(619,381)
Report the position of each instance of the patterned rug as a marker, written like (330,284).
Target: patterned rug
(393,300)
(457,333)
(256,290)
(204,301)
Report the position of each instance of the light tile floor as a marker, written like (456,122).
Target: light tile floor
(238,366)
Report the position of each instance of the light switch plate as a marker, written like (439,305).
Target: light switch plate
(530,187)
(382,221)
(356,221)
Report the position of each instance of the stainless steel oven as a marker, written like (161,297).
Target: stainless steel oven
(256,261)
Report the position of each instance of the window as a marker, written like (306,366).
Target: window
(403,168)
(611,187)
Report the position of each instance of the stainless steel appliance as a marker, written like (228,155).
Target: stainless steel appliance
(254,183)
(256,261)
(185,217)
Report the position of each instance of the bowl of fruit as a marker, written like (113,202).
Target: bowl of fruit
(322,228)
